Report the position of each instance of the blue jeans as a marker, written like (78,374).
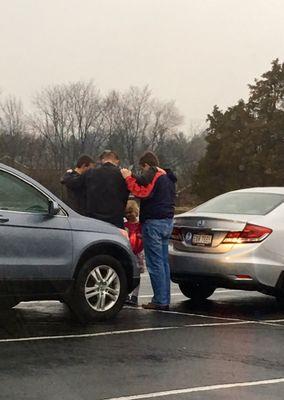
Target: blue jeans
(156,234)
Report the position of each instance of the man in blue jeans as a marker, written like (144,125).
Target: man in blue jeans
(156,189)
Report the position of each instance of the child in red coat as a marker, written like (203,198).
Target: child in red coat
(133,227)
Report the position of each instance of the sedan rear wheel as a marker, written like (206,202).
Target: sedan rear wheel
(196,292)
(100,289)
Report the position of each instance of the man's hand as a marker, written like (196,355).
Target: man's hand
(125,173)
(160,169)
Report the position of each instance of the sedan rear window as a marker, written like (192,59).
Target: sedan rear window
(242,203)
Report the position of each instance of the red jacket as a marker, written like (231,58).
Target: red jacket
(135,236)
(143,191)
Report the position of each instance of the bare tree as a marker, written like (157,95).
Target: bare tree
(137,121)
(165,121)
(52,121)
(13,129)
(87,117)
(70,118)
(12,116)
(135,115)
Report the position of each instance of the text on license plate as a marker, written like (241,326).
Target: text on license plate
(202,240)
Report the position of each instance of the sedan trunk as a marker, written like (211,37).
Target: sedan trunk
(204,233)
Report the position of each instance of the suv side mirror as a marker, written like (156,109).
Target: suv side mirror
(53,208)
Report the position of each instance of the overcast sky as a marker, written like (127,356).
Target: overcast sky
(197,52)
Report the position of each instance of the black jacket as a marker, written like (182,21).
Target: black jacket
(106,194)
(76,194)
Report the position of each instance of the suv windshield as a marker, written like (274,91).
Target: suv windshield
(242,203)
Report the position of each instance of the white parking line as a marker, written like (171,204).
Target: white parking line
(144,296)
(264,322)
(192,315)
(220,324)
(273,320)
(88,335)
(129,331)
(270,323)
(199,389)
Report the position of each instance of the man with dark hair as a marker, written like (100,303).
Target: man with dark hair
(71,179)
(106,190)
(156,189)
(84,163)
(149,158)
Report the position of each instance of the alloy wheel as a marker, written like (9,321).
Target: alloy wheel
(102,288)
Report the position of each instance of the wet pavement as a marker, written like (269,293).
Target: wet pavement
(230,347)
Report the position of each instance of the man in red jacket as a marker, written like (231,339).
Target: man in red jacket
(156,189)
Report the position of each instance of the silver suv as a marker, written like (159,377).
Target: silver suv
(48,251)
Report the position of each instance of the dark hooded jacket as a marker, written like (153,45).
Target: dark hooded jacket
(76,193)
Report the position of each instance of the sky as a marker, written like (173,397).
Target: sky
(196,52)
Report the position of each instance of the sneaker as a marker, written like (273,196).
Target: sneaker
(153,306)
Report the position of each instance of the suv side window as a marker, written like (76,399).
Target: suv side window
(17,195)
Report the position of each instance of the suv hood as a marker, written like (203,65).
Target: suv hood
(80,223)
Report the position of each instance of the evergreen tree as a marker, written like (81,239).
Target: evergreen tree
(246,142)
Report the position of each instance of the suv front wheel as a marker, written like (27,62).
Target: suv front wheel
(100,289)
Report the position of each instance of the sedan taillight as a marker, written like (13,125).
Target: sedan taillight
(250,234)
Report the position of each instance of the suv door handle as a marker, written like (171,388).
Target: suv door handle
(3,219)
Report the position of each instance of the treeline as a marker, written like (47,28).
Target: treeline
(71,119)
(245,143)
(243,146)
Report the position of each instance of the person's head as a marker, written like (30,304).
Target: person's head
(148,160)
(132,211)
(109,156)
(84,163)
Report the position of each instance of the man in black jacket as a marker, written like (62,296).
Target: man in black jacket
(72,181)
(106,190)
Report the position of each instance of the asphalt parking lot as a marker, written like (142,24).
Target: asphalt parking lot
(230,347)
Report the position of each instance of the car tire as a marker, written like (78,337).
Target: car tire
(6,303)
(100,289)
(196,292)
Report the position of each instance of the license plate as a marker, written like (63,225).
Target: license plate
(202,240)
